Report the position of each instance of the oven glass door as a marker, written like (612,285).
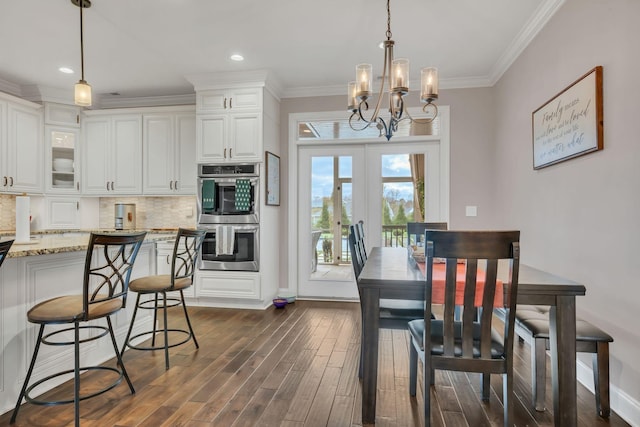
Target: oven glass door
(224,200)
(245,251)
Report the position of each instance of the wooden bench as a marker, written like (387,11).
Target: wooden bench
(532,325)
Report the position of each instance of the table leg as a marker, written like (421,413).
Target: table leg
(562,334)
(370,300)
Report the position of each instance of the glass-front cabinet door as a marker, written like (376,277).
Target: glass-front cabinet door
(63,175)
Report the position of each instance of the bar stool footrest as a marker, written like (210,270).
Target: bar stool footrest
(35,401)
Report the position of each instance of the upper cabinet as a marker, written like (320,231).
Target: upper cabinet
(169,153)
(62,160)
(21,154)
(229,125)
(112,154)
(62,148)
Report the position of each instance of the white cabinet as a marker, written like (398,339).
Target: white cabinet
(21,154)
(229,125)
(169,145)
(62,160)
(62,212)
(62,115)
(112,154)
(228,285)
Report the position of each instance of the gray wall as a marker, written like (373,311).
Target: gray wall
(579,219)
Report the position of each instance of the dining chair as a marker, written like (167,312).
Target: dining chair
(108,265)
(472,344)
(185,254)
(394,314)
(416,230)
(4,250)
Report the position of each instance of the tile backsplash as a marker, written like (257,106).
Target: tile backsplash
(151,212)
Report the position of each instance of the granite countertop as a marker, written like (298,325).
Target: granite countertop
(58,241)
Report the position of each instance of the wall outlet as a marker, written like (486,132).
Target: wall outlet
(471,210)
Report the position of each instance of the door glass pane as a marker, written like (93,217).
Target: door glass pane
(402,186)
(322,185)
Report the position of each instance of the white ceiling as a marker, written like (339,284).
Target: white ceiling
(142,48)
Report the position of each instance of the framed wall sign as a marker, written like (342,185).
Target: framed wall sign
(272,168)
(570,124)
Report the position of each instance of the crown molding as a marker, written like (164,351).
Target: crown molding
(146,101)
(543,14)
(236,79)
(10,88)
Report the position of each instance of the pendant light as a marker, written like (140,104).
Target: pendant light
(82,96)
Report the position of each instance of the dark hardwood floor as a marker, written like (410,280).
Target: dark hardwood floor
(295,366)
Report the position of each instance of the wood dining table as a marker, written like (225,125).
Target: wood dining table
(390,274)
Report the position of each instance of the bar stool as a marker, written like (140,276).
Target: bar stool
(185,254)
(108,265)
(4,250)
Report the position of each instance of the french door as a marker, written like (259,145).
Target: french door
(337,178)
(331,197)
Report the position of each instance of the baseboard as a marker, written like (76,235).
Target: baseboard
(622,404)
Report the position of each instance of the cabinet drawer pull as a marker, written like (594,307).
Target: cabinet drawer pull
(225,153)
(230,155)
(170,185)
(4,181)
(78,185)
(225,103)
(11,181)
(230,101)
(107,185)
(167,259)
(175,185)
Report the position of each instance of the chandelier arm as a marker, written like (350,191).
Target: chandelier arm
(356,114)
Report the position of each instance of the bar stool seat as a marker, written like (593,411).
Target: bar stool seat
(108,265)
(185,254)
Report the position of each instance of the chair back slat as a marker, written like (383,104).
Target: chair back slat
(108,265)
(357,260)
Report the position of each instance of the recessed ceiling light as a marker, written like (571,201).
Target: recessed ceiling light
(237,57)
(66,70)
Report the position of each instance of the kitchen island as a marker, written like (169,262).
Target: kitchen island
(49,266)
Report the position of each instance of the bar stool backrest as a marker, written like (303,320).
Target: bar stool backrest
(4,249)
(107,269)
(185,253)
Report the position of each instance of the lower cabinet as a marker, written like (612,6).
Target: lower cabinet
(228,285)
(24,282)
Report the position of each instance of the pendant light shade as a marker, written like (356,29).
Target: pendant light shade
(82,93)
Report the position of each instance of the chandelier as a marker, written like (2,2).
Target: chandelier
(395,74)
(82,93)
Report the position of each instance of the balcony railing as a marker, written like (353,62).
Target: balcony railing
(392,235)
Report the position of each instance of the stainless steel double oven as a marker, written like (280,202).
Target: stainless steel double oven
(228,209)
